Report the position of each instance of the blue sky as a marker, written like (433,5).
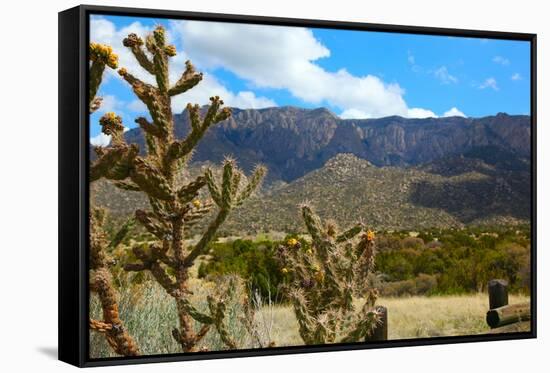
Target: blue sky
(355,74)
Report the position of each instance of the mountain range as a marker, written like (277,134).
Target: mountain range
(393,172)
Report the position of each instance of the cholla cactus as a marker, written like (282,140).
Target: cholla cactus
(101,56)
(102,284)
(174,207)
(323,279)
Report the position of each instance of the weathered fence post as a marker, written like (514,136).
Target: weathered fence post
(498,293)
(380,332)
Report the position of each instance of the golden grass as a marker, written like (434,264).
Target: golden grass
(419,317)
(410,317)
(150,316)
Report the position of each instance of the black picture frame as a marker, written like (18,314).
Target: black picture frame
(74,187)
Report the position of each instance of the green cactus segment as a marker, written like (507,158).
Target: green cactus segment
(174,207)
(100,56)
(323,280)
(188,80)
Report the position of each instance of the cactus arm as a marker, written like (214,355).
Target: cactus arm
(135,44)
(179,149)
(196,215)
(151,128)
(229,183)
(156,45)
(217,310)
(350,233)
(151,180)
(200,247)
(96,76)
(101,56)
(189,191)
(363,326)
(196,314)
(305,322)
(212,187)
(254,182)
(313,224)
(188,80)
(152,224)
(104,164)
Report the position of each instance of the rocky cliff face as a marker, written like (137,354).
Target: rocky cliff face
(292,141)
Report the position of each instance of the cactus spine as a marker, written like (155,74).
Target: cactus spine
(174,207)
(323,279)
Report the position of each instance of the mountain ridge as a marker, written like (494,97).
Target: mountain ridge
(293,141)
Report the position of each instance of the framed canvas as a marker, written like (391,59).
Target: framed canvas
(234,186)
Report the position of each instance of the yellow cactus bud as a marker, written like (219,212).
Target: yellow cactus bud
(170,50)
(319,276)
(292,242)
(316,267)
(103,54)
(197,203)
(370,235)
(112,61)
(284,270)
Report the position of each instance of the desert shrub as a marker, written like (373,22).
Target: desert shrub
(460,261)
(422,285)
(253,261)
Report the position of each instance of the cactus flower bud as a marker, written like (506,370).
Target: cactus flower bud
(292,242)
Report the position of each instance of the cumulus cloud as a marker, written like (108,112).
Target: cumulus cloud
(442,73)
(501,60)
(100,140)
(420,113)
(454,112)
(516,76)
(264,57)
(489,83)
(104,31)
(286,58)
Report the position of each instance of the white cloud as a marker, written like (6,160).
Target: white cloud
(420,113)
(104,31)
(516,76)
(210,86)
(442,73)
(489,83)
(454,112)
(354,114)
(411,113)
(267,57)
(285,58)
(100,140)
(501,60)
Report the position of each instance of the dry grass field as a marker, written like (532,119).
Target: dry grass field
(150,316)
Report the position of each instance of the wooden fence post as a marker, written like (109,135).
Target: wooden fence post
(498,293)
(380,332)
